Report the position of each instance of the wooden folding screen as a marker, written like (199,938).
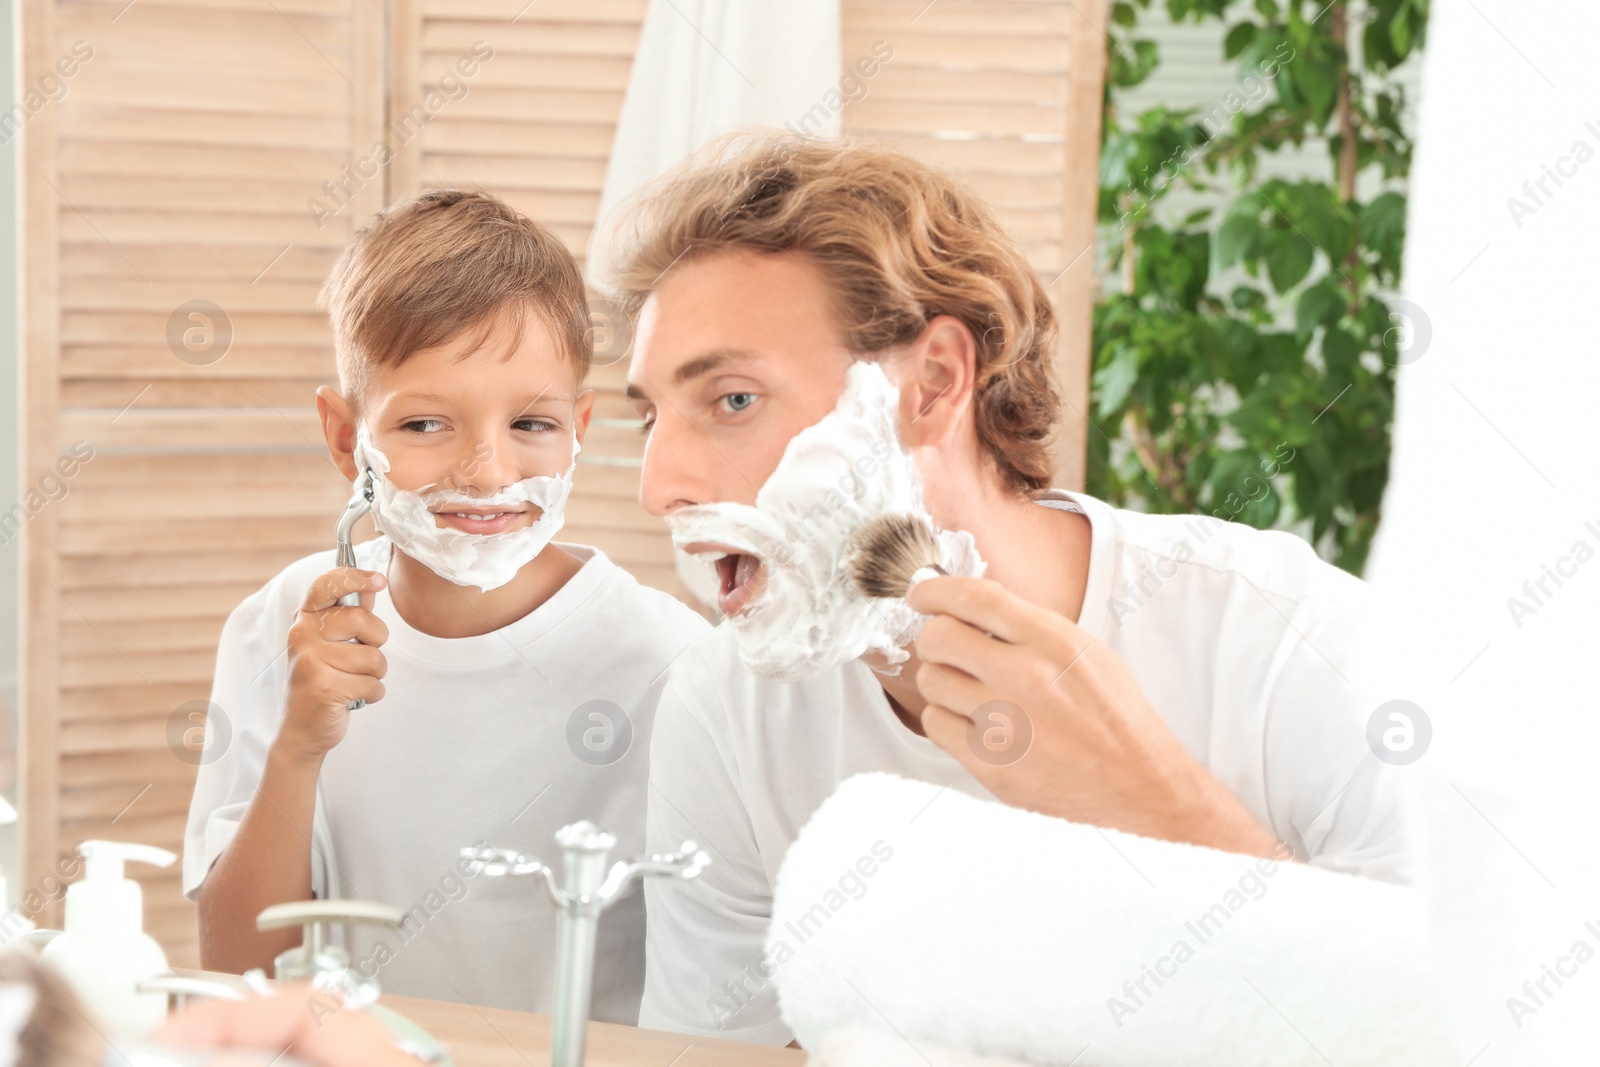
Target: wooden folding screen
(186,188)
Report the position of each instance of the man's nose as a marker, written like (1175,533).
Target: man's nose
(680,467)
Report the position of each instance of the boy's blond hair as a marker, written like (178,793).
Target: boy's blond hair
(430,269)
(899,243)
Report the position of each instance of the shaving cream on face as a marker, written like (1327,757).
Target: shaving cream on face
(833,477)
(487,561)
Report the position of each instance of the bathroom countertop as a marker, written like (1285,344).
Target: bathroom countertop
(494,1037)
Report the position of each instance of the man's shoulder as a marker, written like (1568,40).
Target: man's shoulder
(1275,563)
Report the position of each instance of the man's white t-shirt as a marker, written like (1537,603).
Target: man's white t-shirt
(502,739)
(1241,640)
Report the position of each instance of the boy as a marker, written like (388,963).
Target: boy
(510,681)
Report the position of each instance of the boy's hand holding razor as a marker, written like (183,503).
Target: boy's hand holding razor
(334,659)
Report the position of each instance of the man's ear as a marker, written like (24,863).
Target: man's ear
(936,373)
(339,428)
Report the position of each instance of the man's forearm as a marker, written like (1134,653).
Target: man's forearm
(1214,817)
(267,862)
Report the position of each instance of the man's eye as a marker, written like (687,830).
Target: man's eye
(739,401)
(419,425)
(644,427)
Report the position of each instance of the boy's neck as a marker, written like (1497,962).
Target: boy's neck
(438,607)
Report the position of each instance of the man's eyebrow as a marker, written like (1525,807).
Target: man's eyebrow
(698,367)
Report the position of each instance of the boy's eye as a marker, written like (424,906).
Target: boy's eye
(535,425)
(419,425)
(738,401)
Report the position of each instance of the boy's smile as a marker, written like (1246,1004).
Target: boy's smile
(461,424)
(485,520)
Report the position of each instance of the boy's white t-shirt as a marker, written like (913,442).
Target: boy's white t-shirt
(1241,640)
(476,740)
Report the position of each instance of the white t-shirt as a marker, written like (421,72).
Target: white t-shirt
(476,740)
(1240,639)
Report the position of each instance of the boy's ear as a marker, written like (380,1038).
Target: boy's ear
(935,378)
(339,428)
(582,412)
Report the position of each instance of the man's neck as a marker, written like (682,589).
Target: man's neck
(440,608)
(1039,553)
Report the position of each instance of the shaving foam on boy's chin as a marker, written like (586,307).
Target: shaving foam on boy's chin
(835,475)
(486,561)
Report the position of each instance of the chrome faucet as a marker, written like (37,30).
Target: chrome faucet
(584,890)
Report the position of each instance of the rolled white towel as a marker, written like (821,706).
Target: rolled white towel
(966,924)
(865,1046)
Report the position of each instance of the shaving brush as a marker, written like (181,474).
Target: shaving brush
(888,554)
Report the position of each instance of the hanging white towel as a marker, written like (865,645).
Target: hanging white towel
(704,67)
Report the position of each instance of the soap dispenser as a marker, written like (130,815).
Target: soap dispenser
(13,924)
(104,952)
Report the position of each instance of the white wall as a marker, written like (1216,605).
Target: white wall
(1496,475)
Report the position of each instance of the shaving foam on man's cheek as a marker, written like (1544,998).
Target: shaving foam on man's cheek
(834,476)
(488,561)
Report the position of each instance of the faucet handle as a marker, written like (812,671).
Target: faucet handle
(181,988)
(508,863)
(687,862)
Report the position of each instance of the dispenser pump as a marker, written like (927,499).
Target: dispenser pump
(107,903)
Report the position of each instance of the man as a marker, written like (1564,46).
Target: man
(1171,676)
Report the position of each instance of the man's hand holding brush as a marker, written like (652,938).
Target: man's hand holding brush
(1099,753)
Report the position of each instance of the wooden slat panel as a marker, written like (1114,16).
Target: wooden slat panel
(179,167)
(626,12)
(967,19)
(513,71)
(963,50)
(528,36)
(84,158)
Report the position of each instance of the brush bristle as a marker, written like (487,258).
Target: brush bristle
(886,551)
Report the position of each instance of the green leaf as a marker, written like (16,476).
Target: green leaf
(1319,84)
(1237,239)
(1321,304)
(1123,14)
(1400,31)
(1340,351)
(1383,225)
(1267,9)
(1288,260)
(1237,38)
(1114,381)
(1194,218)
(1245,298)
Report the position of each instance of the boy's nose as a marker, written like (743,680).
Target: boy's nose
(487,467)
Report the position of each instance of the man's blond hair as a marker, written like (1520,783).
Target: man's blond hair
(898,242)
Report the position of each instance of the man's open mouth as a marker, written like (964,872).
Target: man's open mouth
(742,575)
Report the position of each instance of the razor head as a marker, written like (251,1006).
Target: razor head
(360,503)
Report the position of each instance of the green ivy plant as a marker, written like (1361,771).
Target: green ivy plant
(1270,403)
